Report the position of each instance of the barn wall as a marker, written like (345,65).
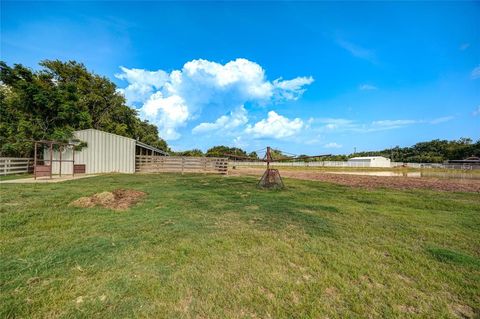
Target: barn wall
(371,161)
(381,162)
(105,153)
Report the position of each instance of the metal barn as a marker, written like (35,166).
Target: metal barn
(104,153)
(370,161)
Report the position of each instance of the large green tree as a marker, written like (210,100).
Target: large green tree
(57,100)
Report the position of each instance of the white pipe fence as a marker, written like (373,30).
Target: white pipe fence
(355,164)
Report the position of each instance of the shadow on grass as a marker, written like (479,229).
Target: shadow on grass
(450,256)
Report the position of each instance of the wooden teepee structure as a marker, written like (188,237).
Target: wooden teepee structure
(271,177)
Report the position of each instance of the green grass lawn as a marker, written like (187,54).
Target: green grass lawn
(203,246)
(14,176)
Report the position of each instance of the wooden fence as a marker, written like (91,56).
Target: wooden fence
(15,165)
(184,164)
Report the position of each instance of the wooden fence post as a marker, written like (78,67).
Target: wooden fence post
(35,162)
(60,163)
(51,158)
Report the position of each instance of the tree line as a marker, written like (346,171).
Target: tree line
(435,151)
(219,151)
(61,97)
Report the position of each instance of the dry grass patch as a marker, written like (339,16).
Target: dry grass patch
(119,199)
(463,311)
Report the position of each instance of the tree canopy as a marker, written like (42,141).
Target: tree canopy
(58,99)
(435,151)
(194,152)
(221,150)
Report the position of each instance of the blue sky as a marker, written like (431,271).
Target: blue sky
(309,77)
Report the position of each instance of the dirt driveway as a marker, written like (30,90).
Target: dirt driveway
(396,182)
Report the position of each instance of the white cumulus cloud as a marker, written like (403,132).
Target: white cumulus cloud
(167,112)
(142,83)
(170,100)
(275,126)
(235,119)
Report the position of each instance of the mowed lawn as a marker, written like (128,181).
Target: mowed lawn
(202,246)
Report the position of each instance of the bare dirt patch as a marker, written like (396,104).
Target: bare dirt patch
(463,311)
(331,292)
(119,199)
(396,182)
(407,309)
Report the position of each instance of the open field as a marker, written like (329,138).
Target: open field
(395,182)
(199,246)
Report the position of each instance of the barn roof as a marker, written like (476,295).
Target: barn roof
(151,148)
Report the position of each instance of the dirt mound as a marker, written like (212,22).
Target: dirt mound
(119,199)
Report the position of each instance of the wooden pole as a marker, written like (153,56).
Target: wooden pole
(269,157)
(51,158)
(60,163)
(73,161)
(35,161)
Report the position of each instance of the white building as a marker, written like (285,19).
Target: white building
(369,161)
(104,153)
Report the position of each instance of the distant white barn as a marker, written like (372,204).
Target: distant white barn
(104,153)
(370,161)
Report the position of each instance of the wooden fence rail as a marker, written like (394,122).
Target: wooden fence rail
(181,164)
(15,165)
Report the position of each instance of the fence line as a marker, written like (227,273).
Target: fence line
(356,164)
(15,165)
(181,164)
